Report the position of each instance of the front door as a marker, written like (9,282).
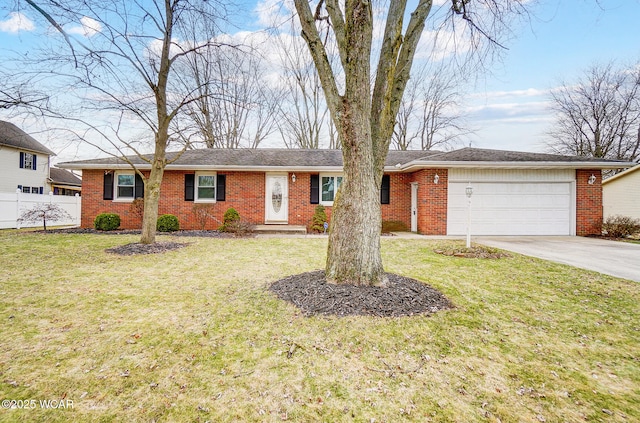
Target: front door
(414,207)
(277,199)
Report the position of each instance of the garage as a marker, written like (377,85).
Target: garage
(512,202)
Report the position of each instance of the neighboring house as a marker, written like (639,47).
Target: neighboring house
(24,162)
(64,182)
(514,193)
(621,194)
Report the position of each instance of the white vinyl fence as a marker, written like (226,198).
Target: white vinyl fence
(13,204)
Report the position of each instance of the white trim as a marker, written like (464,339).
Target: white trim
(196,182)
(413,208)
(334,175)
(117,197)
(285,198)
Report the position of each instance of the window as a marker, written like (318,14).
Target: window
(206,187)
(126,183)
(27,161)
(328,188)
(26,190)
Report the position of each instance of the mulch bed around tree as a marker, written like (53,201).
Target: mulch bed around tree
(401,297)
(136,248)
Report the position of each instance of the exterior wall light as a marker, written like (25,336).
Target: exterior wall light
(592,179)
(293,177)
(436,179)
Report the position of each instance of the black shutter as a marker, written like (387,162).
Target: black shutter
(21,160)
(33,165)
(41,190)
(107,191)
(385,189)
(221,182)
(139,187)
(315,189)
(189,185)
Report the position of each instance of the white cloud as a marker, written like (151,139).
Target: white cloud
(88,27)
(16,22)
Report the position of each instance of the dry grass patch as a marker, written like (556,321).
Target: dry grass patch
(194,335)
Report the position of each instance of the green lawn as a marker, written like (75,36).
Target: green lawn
(193,335)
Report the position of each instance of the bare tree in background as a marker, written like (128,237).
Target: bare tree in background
(430,114)
(303,120)
(122,65)
(599,114)
(364,115)
(236,107)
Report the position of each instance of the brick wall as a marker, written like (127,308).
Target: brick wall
(245,191)
(588,203)
(432,201)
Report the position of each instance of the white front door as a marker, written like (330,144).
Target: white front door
(414,207)
(277,199)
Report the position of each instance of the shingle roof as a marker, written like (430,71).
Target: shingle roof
(13,136)
(62,176)
(292,159)
(252,158)
(469,154)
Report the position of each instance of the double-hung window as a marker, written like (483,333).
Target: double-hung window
(125,185)
(329,185)
(28,161)
(205,187)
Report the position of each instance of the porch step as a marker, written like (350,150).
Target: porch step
(280,229)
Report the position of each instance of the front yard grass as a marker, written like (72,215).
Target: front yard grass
(193,335)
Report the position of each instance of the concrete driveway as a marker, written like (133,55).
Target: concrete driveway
(621,259)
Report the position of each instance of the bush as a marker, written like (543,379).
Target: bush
(203,212)
(620,226)
(230,220)
(107,222)
(318,219)
(167,223)
(393,226)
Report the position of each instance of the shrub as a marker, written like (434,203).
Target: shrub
(620,226)
(318,219)
(167,223)
(239,228)
(393,226)
(203,212)
(137,207)
(230,220)
(107,222)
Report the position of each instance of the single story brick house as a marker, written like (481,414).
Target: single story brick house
(514,193)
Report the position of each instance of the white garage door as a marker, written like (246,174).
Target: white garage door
(513,207)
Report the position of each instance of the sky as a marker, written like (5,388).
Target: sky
(508,104)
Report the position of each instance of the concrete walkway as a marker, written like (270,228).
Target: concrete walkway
(620,259)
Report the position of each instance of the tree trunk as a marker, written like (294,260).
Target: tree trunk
(353,255)
(151,200)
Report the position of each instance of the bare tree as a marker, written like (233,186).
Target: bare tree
(123,65)
(304,117)
(599,114)
(430,113)
(365,116)
(236,106)
(44,212)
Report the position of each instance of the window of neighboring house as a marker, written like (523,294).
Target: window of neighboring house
(125,185)
(26,190)
(329,185)
(28,161)
(205,187)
